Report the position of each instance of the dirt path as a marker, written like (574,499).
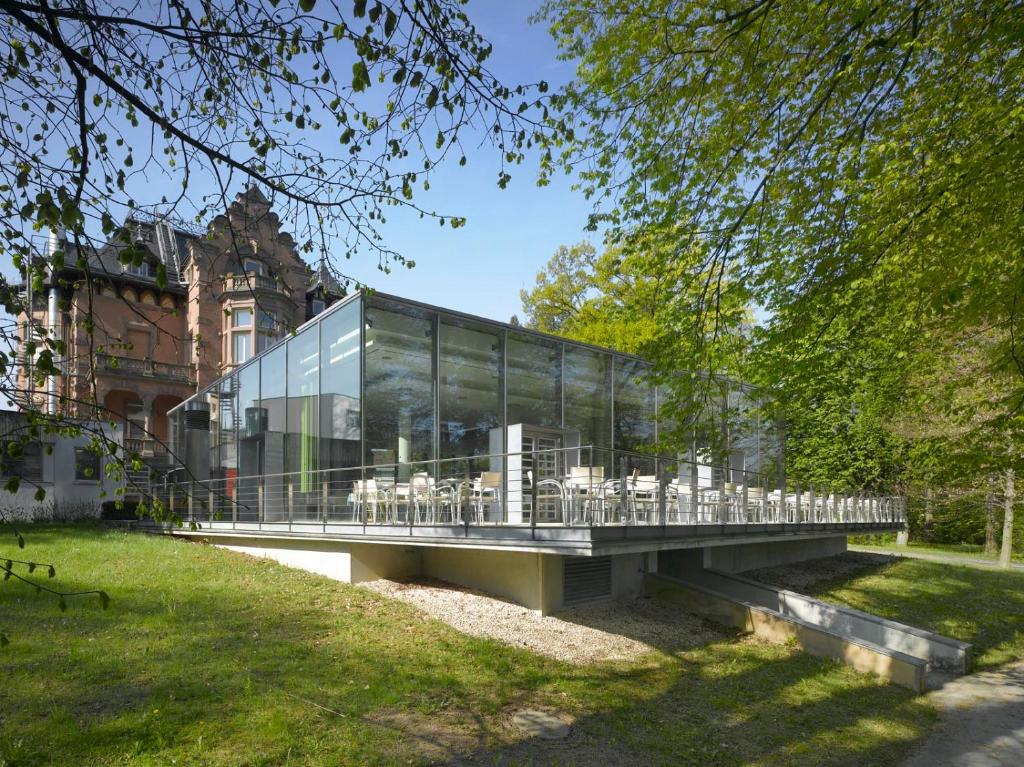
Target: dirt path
(982,722)
(952,559)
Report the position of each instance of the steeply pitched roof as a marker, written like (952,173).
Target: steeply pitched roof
(164,243)
(322,277)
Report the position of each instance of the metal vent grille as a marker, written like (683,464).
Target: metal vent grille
(586,578)
(197,420)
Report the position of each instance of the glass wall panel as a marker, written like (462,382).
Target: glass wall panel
(634,411)
(588,395)
(339,389)
(228,443)
(302,437)
(399,387)
(470,389)
(251,425)
(274,412)
(534,385)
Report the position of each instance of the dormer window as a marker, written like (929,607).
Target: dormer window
(145,269)
(317,306)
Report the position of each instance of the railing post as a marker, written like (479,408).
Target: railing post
(534,494)
(623,491)
(209,501)
(170,500)
(662,483)
(323,501)
(289,498)
(694,498)
(191,497)
(763,513)
(744,498)
(812,508)
(260,506)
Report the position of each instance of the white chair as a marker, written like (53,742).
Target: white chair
(544,494)
(485,491)
(368,499)
(644,497)
(584,487)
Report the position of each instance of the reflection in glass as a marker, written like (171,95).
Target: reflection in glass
(534,385)
(272,403)
(399,387)
(634,405)
(588,395)
(469,369)
(251,425)
(339,389)
(301,446)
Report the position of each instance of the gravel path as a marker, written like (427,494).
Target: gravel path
(982,722)
(581,635)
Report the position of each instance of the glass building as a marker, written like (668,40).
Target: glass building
(383,387)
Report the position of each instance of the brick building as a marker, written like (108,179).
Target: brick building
(229,293)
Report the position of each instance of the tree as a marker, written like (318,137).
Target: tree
(601,300)
(337,112)
(854,169)
(638,302)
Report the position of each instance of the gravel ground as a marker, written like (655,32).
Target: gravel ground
(801,576)
(580,635)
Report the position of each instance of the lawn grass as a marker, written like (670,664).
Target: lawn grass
(207,657)
(978,605)
(887,543)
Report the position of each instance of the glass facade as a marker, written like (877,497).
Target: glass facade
(534,368)
(381,388)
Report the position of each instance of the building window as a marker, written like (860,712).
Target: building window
(318,306)
(268,321)
(27,465)
(145,269)
(87,464)
(241,342)
(241,318)
(264,341)
(252,266)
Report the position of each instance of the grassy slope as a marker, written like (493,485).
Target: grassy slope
(209,657)
(978,605)
(887,543)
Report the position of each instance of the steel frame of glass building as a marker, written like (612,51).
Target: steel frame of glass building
(377,380)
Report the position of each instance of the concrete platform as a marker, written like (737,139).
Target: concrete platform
(547,539)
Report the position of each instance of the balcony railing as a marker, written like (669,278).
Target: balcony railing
(568,487)
(250,282)
(129,366)
(145,447)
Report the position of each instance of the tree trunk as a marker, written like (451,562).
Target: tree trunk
(990,521)
(1009,499)
(927,532)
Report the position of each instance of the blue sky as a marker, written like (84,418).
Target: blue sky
(510,234)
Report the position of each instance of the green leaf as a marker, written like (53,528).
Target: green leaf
(307,5)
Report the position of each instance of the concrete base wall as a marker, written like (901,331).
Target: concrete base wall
(531,579)
(346,562)
(751,556)
(936,650)
(864,656)
(519,576)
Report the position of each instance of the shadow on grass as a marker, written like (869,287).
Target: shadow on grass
(211,657)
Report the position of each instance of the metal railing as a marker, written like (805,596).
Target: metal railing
(567,487)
